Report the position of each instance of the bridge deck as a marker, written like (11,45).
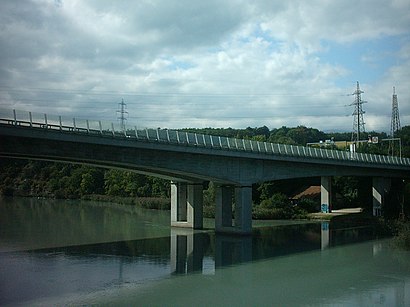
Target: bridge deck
(175,137)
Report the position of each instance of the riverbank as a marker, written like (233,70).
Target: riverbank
(157,203)
(355,217)
(334,213)
(402,237)
(339,219)
(344,218)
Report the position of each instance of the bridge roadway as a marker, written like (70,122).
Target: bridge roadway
(189,159)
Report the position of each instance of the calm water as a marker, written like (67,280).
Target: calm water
(82,253)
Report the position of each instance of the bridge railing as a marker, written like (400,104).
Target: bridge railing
(114,130)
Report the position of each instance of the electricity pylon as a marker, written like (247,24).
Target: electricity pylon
(122,114)
(395,121)
(358,122)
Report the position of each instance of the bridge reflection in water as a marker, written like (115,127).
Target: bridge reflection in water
(313,258)
(190,249)
(187,250)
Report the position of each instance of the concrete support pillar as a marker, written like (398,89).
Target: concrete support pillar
(174,202)
(186,204)
(381,187)
(178,202)
(326,194)
(182,202)
(223,210)
(241,198)
(243,209)
(195,205)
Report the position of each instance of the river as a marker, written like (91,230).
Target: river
(58,252)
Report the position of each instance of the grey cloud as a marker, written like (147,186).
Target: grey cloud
(177,24)
(210,62)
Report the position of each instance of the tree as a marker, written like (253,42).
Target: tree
(266,190)
(114,183)
(277,200)
(160,187)
(262,131)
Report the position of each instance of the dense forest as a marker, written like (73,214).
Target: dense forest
(271,199)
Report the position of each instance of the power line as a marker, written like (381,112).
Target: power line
(88,104)
(4,88)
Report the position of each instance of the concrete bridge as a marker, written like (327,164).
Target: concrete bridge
(189,159)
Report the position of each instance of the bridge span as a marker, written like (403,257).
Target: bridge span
(189,159)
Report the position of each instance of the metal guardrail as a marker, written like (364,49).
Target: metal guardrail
(108,129)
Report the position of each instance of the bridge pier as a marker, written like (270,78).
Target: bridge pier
(187,205)
(241,198)
(326,194)
(381,186)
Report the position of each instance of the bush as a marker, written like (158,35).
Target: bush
(209,211)
(110,198)
(261,213)
(299,214)
(154,203)
(277,200)
(402,237)
(309,205)
(7,191)
(278,207)
(144,202)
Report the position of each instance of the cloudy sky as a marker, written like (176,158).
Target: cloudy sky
(214,63)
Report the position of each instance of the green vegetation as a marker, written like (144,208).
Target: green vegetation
(271,200)
(402,235)
(143,202)
(278,206)
(70,181)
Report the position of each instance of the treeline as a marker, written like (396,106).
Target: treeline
(302,135)
(72,181)
(271,199)
(284,135)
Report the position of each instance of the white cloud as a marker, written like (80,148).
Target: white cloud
(308,23)
(196,63)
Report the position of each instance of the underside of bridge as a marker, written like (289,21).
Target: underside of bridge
(188,168)
(234,204)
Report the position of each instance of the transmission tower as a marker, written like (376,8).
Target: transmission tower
(358,122)
(395,121)
(122,114)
